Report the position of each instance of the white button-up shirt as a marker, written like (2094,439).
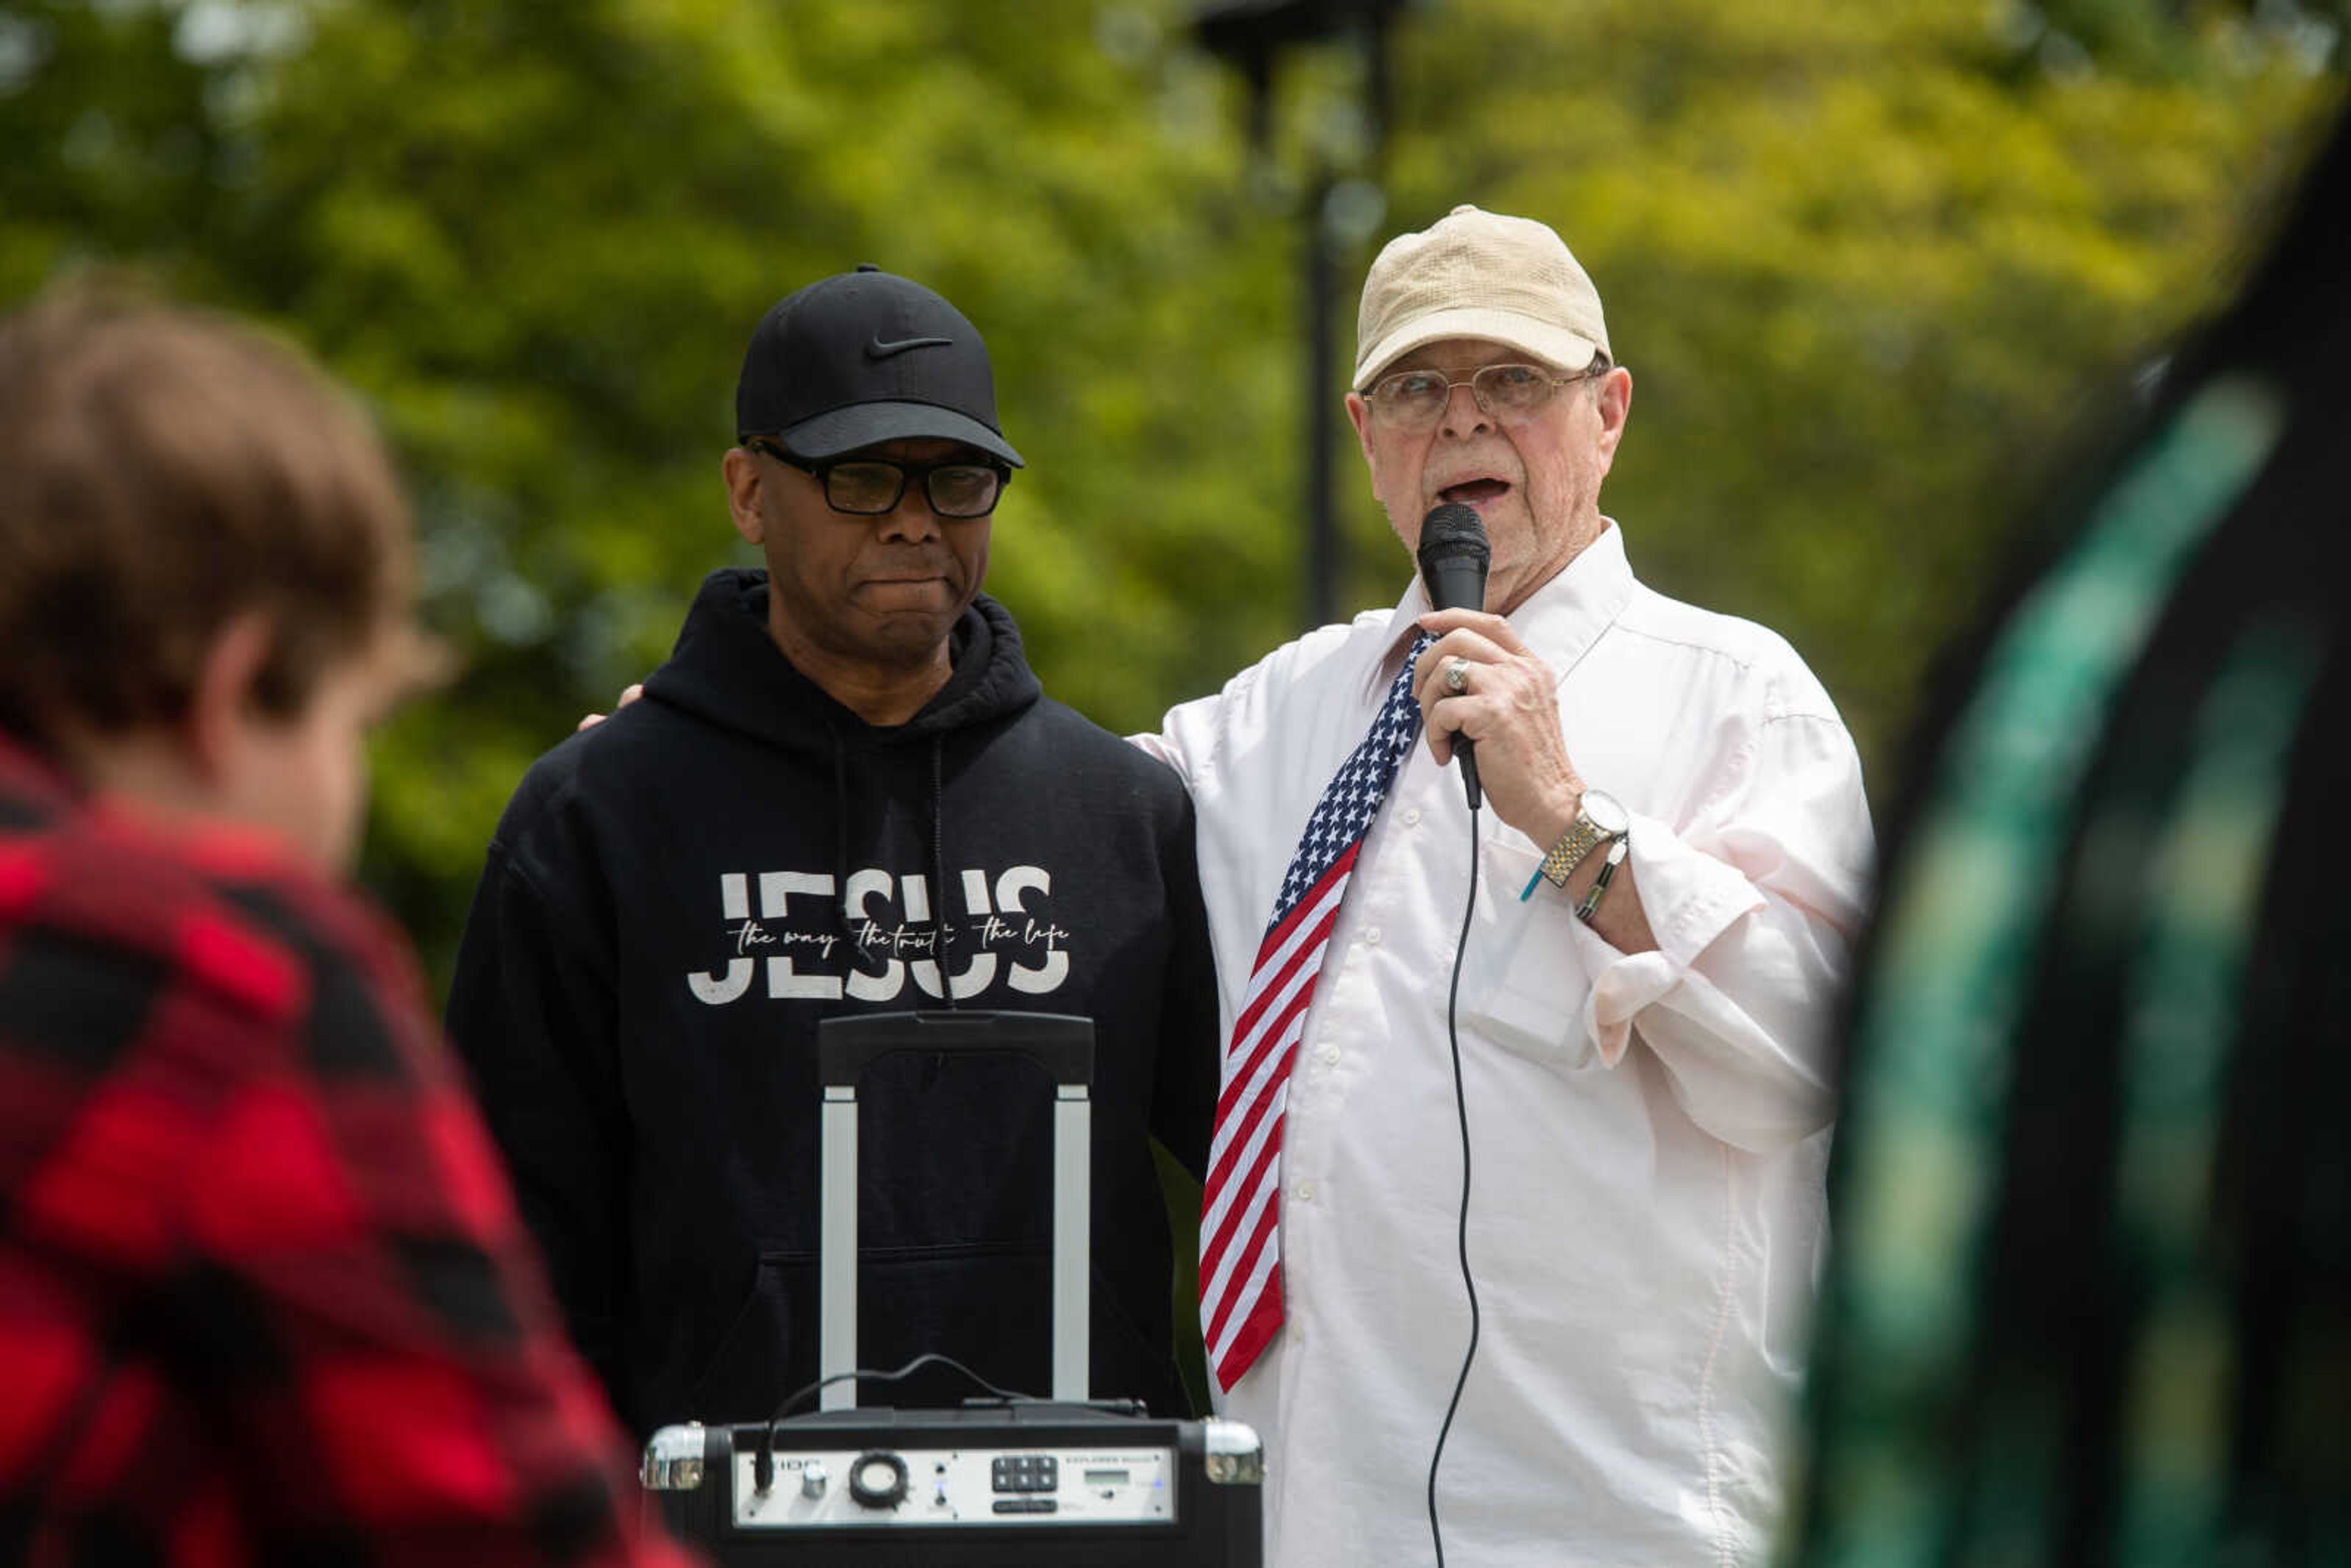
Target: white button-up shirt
(1648,1132)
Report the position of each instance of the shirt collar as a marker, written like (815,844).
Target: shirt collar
(1560,620)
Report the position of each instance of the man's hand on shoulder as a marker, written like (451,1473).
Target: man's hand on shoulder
(628,694)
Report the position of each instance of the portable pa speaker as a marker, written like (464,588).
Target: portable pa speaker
(1024,1484)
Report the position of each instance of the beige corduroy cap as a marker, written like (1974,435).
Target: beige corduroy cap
(1476,274)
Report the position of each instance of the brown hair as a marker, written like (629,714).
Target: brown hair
(162,471)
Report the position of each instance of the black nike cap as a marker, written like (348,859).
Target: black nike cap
(866,357)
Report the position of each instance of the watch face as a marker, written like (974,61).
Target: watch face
(1605,813)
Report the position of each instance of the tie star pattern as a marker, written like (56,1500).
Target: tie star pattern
(1345,813)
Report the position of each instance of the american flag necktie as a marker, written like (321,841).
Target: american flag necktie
(1240,1239)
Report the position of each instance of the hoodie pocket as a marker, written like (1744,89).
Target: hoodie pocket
(988,1306)
(744,1378)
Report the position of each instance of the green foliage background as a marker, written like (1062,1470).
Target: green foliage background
(1870,263)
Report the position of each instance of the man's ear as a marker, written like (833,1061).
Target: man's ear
(223,706)
(1359,414)
(1615,405)
(742,472)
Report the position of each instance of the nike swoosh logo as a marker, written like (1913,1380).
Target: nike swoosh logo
(875,349)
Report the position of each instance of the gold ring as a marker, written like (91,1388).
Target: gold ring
(1456,676)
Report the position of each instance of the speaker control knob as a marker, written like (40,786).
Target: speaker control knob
(878,1480)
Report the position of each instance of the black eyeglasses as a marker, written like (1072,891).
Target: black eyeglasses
(1414,401)
(869,486)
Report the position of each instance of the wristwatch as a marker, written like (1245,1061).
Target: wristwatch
(1599,817)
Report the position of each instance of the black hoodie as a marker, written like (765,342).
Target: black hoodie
(659,928)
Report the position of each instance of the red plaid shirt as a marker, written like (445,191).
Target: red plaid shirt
(263,1294)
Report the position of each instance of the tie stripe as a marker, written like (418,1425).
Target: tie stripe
(1257,1037)
(1247,1140)
(1241,1232)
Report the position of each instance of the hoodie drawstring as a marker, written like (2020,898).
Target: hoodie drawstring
(841,801)
(840,838)
(939,869)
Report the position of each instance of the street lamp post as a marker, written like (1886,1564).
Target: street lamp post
(1253,35)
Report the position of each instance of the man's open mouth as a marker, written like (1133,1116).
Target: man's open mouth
(1471,491)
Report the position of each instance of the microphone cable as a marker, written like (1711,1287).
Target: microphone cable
(1461,1107)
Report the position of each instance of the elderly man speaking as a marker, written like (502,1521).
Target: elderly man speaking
(1672,862)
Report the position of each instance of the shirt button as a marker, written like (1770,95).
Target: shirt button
(1330,1056)
(1306,1192)
(1372,937)
(1412,817)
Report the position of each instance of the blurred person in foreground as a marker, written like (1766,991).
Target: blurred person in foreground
(2091,1299)
(1675,858)
(263,1294)
(846,792)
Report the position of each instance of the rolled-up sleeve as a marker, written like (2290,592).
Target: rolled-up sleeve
(1754,903)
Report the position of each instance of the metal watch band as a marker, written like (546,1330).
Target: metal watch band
(1569,853)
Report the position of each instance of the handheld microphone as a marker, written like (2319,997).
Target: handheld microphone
(1453,558)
